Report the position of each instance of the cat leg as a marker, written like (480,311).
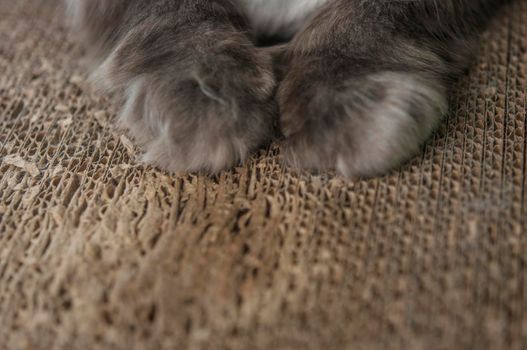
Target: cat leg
(97,22)
(367,81)
(198,96)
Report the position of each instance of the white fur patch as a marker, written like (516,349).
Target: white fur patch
(279,17)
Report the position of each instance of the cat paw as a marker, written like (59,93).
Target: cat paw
(356,121)
(201,113)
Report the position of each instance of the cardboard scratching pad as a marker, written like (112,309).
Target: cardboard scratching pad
(100,252)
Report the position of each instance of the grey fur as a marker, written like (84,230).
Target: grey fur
(360,85)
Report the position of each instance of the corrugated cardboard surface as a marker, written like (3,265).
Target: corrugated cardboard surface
(97,251)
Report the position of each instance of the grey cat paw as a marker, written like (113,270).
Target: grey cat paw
(357,125)
(205,114)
